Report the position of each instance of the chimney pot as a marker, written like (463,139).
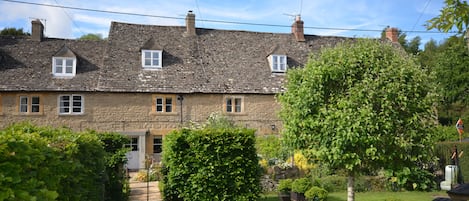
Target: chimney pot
(297,29)
(190,24)
(37,30)
(392,34)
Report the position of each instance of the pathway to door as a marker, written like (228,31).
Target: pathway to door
(143,191)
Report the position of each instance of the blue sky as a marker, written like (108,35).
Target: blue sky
(407,15)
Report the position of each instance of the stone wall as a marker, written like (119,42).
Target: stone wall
(133,111)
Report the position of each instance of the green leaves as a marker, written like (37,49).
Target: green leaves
(454,14)
(213,163)
(360,106)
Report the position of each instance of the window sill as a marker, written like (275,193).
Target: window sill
(164,113)
(235,113)
(65,115)
(28,114)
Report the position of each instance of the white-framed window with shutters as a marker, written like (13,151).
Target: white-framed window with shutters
(278,63)
(64,66)
(152,59)
(71,104)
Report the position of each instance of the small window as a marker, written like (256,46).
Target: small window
(234,104)
(279,63)
(163,103)
(64,66)
(71,104)
(157,144)
(29,105)
(133,144)
(151,59)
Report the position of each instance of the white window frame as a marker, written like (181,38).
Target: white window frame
(64,73)
(71,106)
(278,63)
(152,59)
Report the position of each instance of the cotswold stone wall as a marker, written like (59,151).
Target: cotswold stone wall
(133,111)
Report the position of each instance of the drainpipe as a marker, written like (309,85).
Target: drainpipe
(180,99)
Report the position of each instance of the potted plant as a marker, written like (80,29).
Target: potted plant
(299,187)
(284,189)
(316,194)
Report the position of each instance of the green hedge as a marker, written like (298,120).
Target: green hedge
(210,164)
(40,163)
(443,152)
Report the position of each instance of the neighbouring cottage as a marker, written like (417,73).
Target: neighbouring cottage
(147,80)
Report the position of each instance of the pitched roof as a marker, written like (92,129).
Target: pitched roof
(213,61)
(26,65)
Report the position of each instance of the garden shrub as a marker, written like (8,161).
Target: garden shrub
(41,163)
(301,185)
(316,193)
(411,179)
(334,183)
(284,185)
(210,164)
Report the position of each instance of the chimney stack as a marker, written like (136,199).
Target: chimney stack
(190,24)
(37,30)
(392,34)
(297,29)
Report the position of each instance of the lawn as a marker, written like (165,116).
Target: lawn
(375,196)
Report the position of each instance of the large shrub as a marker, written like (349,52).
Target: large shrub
(42,163)
(210,164)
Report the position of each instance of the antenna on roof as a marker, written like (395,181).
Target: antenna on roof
(292,16)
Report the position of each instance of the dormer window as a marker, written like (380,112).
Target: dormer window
(64,66)
(278,63)
(152,59)
(64,63)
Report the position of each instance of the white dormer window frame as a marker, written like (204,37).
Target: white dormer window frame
(278,63)
(152,59)
(64,66)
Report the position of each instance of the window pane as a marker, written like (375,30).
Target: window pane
(58,65)
(76,98)
(134,147)
(169,105)
(159,104)
(69,63)
(64,110)
(157,144)
(69,70)
(237,104)
(35,104)
(156,55)
(58,69)
(76,109)
(156,62)
(229,105)
(23,104)
(147,62)
(147,55)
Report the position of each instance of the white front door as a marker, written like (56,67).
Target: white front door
(133,155)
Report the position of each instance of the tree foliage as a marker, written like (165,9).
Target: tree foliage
(455,13)
(450,62)
(360,106)
(13,32)
(92,36)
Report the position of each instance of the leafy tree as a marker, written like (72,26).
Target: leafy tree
(450,62)
(455,13)
(13,32)
(359,107)
(91,36)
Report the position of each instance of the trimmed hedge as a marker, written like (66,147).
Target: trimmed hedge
(41,163)
(210,164)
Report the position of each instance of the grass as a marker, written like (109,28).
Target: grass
(374,196)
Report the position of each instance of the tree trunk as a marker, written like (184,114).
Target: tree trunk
(350,187)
